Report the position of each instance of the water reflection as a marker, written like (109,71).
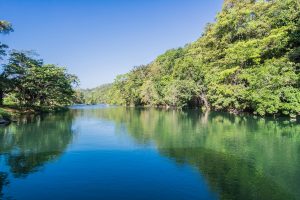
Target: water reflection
(3,182)
(241,157)
(26,146)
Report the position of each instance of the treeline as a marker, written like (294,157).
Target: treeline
(28,82)
(248,60)
(96,95)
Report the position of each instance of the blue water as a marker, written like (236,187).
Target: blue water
(99,163)
(100,152)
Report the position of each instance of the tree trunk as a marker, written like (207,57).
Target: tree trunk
(205,101)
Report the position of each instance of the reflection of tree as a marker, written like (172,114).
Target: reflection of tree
(28,146)
(232,178)
(3,182)
(241,157)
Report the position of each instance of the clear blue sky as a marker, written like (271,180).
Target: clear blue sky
(99,39)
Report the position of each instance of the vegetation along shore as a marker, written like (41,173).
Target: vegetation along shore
(247,61)
(28,85)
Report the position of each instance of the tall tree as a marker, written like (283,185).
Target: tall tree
(36,84)
(5,28)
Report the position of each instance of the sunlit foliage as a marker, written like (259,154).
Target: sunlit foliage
(248,60)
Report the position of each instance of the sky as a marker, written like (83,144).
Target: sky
(100,39)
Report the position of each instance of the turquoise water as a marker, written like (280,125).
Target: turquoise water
(100,152)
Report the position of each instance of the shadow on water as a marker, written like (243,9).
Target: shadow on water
(240,157)
(26,146)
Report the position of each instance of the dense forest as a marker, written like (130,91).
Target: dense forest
(248,60)
(27,82)
(95,96)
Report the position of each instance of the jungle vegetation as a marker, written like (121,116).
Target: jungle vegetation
(248,60)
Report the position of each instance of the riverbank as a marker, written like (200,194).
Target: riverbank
(9,114)
(292,117)
(5,116)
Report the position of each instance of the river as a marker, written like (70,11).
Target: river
(106,152)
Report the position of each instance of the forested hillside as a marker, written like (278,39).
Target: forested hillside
(96,95)
(248,60)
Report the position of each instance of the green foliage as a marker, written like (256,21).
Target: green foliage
(179,92)
(96,95)
(5,28)
(79,97)
(34,84)
(248,60)
(26,81)
(4,115)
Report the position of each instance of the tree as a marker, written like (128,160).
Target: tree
(5,28)
(180,92)
(37,84)
(248,60)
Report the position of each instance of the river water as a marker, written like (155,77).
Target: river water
(102,152)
